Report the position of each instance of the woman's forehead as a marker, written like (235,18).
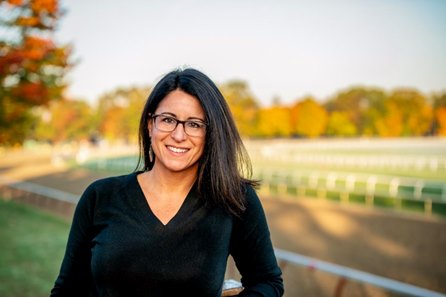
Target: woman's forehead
(181,104)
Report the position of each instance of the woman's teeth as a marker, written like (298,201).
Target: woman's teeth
(177,150)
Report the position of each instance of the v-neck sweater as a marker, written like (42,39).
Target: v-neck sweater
(118,247)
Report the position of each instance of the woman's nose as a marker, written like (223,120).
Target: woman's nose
(179,134)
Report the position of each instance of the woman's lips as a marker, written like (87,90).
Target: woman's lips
(177,150)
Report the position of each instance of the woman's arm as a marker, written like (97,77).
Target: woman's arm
(253,252)
(75,273)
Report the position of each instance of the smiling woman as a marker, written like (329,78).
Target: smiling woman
(174,147)
(167,230)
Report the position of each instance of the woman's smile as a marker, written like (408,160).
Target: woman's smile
(177,150)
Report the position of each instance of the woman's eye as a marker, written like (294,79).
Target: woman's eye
(169,120)
(194,125)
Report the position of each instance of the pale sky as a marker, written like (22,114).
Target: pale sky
(281,48)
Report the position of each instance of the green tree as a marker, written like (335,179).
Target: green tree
(339,124)
(375,111)
(308,118)
(243,105)
(32,66)
(356,104)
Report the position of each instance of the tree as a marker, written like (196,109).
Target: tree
(119,112)
(439,105)
(274,121)
(65,120)
(339,124)
(243,105)
(375,111)
(32,67)
(308,118)
(408,113)
(355,103)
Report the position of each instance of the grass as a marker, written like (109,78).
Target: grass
(32,245)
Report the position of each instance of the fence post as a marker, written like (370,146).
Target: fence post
(331,180)
(321,193)
(428,206)
(350,184)
(296,182)
(313,180)
(344,196)
(418,189)
(370,190)
(301,191)
(393,191)
(282,188)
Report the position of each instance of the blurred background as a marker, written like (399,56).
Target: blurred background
(341,105)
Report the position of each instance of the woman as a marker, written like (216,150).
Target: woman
(168,230)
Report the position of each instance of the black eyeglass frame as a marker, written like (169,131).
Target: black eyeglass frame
(154,116)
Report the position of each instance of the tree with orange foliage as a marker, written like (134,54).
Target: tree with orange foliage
(407,113)
(308,118)
(119,111)
(274,121)
(64,121)
(243,105)
(439,106)
(32,66)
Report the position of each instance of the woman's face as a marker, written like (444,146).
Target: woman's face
(177,151)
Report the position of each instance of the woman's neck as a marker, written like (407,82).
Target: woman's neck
(169,182)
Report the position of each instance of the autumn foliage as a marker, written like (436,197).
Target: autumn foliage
(32,66)
(32,105)
(398,113)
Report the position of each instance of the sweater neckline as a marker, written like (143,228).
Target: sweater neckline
(148,214)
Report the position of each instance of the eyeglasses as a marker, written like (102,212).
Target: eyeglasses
(165,123)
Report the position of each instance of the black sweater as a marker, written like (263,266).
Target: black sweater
(118,247)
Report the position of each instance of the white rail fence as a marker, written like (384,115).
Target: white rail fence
(346,185)
(388,162)
(345,273)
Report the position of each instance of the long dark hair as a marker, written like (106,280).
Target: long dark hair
(224,168)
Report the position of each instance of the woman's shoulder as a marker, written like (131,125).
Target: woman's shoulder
(252,200)
(250,192)
(111,183)
(102,190)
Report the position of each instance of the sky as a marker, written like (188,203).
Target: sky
(282,49)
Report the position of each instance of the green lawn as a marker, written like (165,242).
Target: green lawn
(32,244)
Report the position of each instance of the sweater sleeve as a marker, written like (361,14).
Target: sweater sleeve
(253,252)
(74,278)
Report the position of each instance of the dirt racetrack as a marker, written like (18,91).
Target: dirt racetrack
(406,247)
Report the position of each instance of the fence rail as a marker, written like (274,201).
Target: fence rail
(33,188)
(345,185)
(345,273)
(322,184)
(418,163)
(283,256)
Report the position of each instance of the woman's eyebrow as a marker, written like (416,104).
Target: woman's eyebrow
(169,114)
(194,118)
(175,116)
